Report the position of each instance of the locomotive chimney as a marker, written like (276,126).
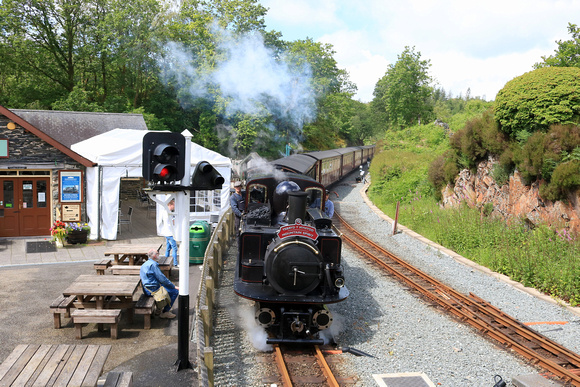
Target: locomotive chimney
(296,206)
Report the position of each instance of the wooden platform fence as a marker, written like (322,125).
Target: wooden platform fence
(218,246)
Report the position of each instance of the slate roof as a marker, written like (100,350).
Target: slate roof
(71,127)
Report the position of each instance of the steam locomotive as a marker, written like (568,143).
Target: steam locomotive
(289,258)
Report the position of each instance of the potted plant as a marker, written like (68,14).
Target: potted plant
(77,233)
(58,232)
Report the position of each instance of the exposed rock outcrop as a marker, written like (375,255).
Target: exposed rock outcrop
(513,199)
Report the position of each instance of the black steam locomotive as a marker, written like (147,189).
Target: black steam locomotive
(289,259)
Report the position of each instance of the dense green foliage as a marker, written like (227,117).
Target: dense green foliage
(181,66)
(537,99)
(550,158)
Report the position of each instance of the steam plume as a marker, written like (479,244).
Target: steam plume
(247,79)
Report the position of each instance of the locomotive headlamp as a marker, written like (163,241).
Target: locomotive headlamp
(339,282)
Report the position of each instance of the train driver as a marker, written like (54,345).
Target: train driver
(328,205)
(237,202)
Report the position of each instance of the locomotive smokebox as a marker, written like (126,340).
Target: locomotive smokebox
(296,206)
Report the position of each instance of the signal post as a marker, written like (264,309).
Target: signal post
(167,160)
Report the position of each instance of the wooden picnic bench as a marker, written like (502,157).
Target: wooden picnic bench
(98,316)
(54,365)
(104,292)
(100,267)
(59,306)
(119,379)
(128,254)
(145,306)
(165,264)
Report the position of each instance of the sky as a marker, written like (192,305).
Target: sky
(476,45)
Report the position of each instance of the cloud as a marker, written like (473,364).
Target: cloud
(354,54)
(470,44)
(318,15)
(456,72)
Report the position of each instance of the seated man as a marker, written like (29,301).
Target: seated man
(154,280)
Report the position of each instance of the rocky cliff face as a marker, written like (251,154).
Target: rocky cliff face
(513,199)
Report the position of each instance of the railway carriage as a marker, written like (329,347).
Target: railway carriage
(326,167)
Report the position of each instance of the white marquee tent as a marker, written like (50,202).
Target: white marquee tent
(118,153)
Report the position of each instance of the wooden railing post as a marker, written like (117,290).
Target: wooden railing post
(209,289)
(206,323)
(208,360)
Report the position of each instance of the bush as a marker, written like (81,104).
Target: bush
(529,158)
(500,174)
(436,176)
(537,99)
(565,178)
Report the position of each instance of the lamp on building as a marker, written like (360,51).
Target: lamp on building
(11,126)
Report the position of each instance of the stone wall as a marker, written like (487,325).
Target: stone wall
(513,199)
(28,152)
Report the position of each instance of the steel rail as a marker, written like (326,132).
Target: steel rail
(325,368)
(286,381)
(318,358)
(480,314)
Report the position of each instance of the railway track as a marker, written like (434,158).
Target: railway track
(303,367)
(473,310)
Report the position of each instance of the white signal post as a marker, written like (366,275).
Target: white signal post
(180,231)
(182,206)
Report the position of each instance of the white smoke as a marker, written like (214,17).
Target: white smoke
(257,334)
(248,79)
(329,335)
(263,166)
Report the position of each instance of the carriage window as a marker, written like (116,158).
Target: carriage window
(257,193)
(314,198)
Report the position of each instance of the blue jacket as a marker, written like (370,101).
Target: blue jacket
(152,277)
(237,204)
(328,206)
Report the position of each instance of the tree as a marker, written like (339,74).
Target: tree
(568,52)
(404,91)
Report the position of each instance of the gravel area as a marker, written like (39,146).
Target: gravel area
(385,320)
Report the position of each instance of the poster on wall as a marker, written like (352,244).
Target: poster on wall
(70,186)
(71,212)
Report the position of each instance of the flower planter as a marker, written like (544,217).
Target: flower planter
(74,236)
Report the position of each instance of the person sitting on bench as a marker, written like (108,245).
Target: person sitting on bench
(156,284)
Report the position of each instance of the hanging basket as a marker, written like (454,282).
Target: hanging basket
(73,237)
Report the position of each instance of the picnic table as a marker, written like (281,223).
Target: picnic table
(103,292)
(48,365)
(130,254)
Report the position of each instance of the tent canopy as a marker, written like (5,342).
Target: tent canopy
(118,153)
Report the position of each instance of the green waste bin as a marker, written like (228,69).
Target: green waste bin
(199,235)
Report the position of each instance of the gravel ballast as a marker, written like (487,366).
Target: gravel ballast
(383,319)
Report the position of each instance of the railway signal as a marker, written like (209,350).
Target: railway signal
(206,177)
(163,157)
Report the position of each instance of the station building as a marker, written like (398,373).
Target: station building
(62,165)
